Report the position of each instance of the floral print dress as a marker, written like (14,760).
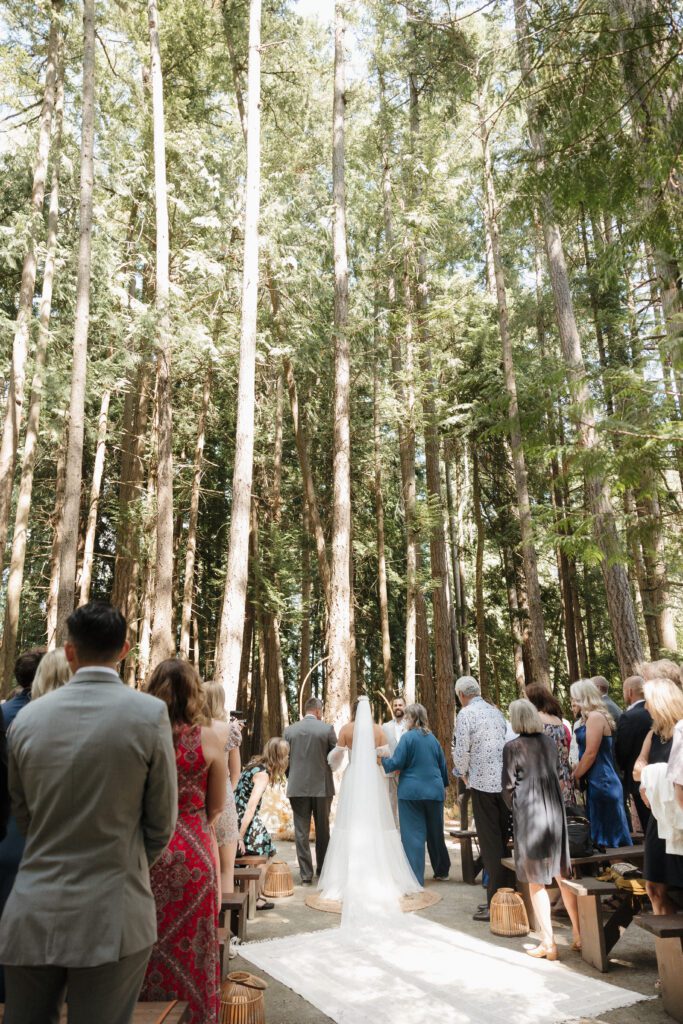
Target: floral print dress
(257,841)
(184,961)
(559,737)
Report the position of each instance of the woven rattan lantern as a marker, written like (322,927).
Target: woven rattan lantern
(508,913)
(278,880)
(242,999)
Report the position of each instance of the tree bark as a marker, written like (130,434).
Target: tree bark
(387,673)
(74,453)
(21,519)
(163,639)
(229,645)
(458,594)
(339,660)
(57,534)
(515,624)
(539,651)
(305,646)
(191,550)
(95,488)
(14,410)
(479,574)
(619,601)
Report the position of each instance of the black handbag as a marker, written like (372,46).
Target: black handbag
(579,832)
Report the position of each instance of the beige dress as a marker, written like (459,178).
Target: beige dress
(226,826)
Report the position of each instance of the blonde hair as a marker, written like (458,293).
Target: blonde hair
(662,669)
(275,758)
(589,698)
(53,671)
(524,718)
(214,696)
(664,701)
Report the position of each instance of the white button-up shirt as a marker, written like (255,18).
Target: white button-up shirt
(478,745)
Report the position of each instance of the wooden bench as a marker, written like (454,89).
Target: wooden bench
(234,904)
(600,928)
(668,932)
(144,1013)
(249,861)
(471,865)
(632,854)
(247,881)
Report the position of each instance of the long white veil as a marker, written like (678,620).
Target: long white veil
(365,864)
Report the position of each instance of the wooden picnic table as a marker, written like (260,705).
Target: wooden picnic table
(621,853)
(600,926)
(668,932)
(145,1013)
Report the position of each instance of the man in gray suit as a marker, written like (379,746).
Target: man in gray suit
(94,789)
(310,786)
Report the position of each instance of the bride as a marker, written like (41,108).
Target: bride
(365,864)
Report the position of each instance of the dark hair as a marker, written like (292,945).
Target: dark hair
(543,700)
(26,666)
(177,683)
(313,704)
(97,630)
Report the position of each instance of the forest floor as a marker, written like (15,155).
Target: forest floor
(633,964)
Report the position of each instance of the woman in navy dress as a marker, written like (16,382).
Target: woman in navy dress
(421,792)
(604,792)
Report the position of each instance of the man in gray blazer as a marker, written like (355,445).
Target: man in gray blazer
(310,786)
(94,789)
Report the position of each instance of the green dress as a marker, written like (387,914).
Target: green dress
(257,841)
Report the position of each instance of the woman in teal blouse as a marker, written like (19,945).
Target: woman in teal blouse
(421,791)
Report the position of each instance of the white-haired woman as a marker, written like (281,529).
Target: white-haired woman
(604,792)
(421,793)
(531,788)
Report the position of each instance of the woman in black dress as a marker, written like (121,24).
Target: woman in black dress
(662,870)
(531,787)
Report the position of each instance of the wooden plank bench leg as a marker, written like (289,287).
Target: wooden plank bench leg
(252,893)
(593,945)
(669,959)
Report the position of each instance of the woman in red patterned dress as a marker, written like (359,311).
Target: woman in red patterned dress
(184,961)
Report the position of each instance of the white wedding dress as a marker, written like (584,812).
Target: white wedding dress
(383,966)
(365,865)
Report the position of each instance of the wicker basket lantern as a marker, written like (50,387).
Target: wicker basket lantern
(508,913)
(242,999)
(278,880)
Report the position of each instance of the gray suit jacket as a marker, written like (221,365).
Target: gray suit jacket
(310,741)
(94,788)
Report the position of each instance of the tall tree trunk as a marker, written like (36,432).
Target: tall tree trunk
(454,538)
(387,674)
(14,410)
(21,519)
(163,639)
(191,550)
(95,487)
(74,453)
(479,574)
(404,391)
(619,601)
(339,661)
(57,535)
(305,647)
(539,651)
(641,575)
(229,645)
(515,623)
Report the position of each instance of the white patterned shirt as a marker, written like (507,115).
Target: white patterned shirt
(478,745)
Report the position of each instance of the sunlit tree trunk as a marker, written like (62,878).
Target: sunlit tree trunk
(57,533)
(387,673)
(21,519)
(74,453)
(191,550)
(163,640)
(229,645)
(304,683)
(619,601)
(93,505)
(339,646)
(480,609)
(14,410)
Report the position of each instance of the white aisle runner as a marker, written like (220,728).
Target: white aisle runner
(427,972)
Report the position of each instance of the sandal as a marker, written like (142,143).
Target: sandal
(263,904)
